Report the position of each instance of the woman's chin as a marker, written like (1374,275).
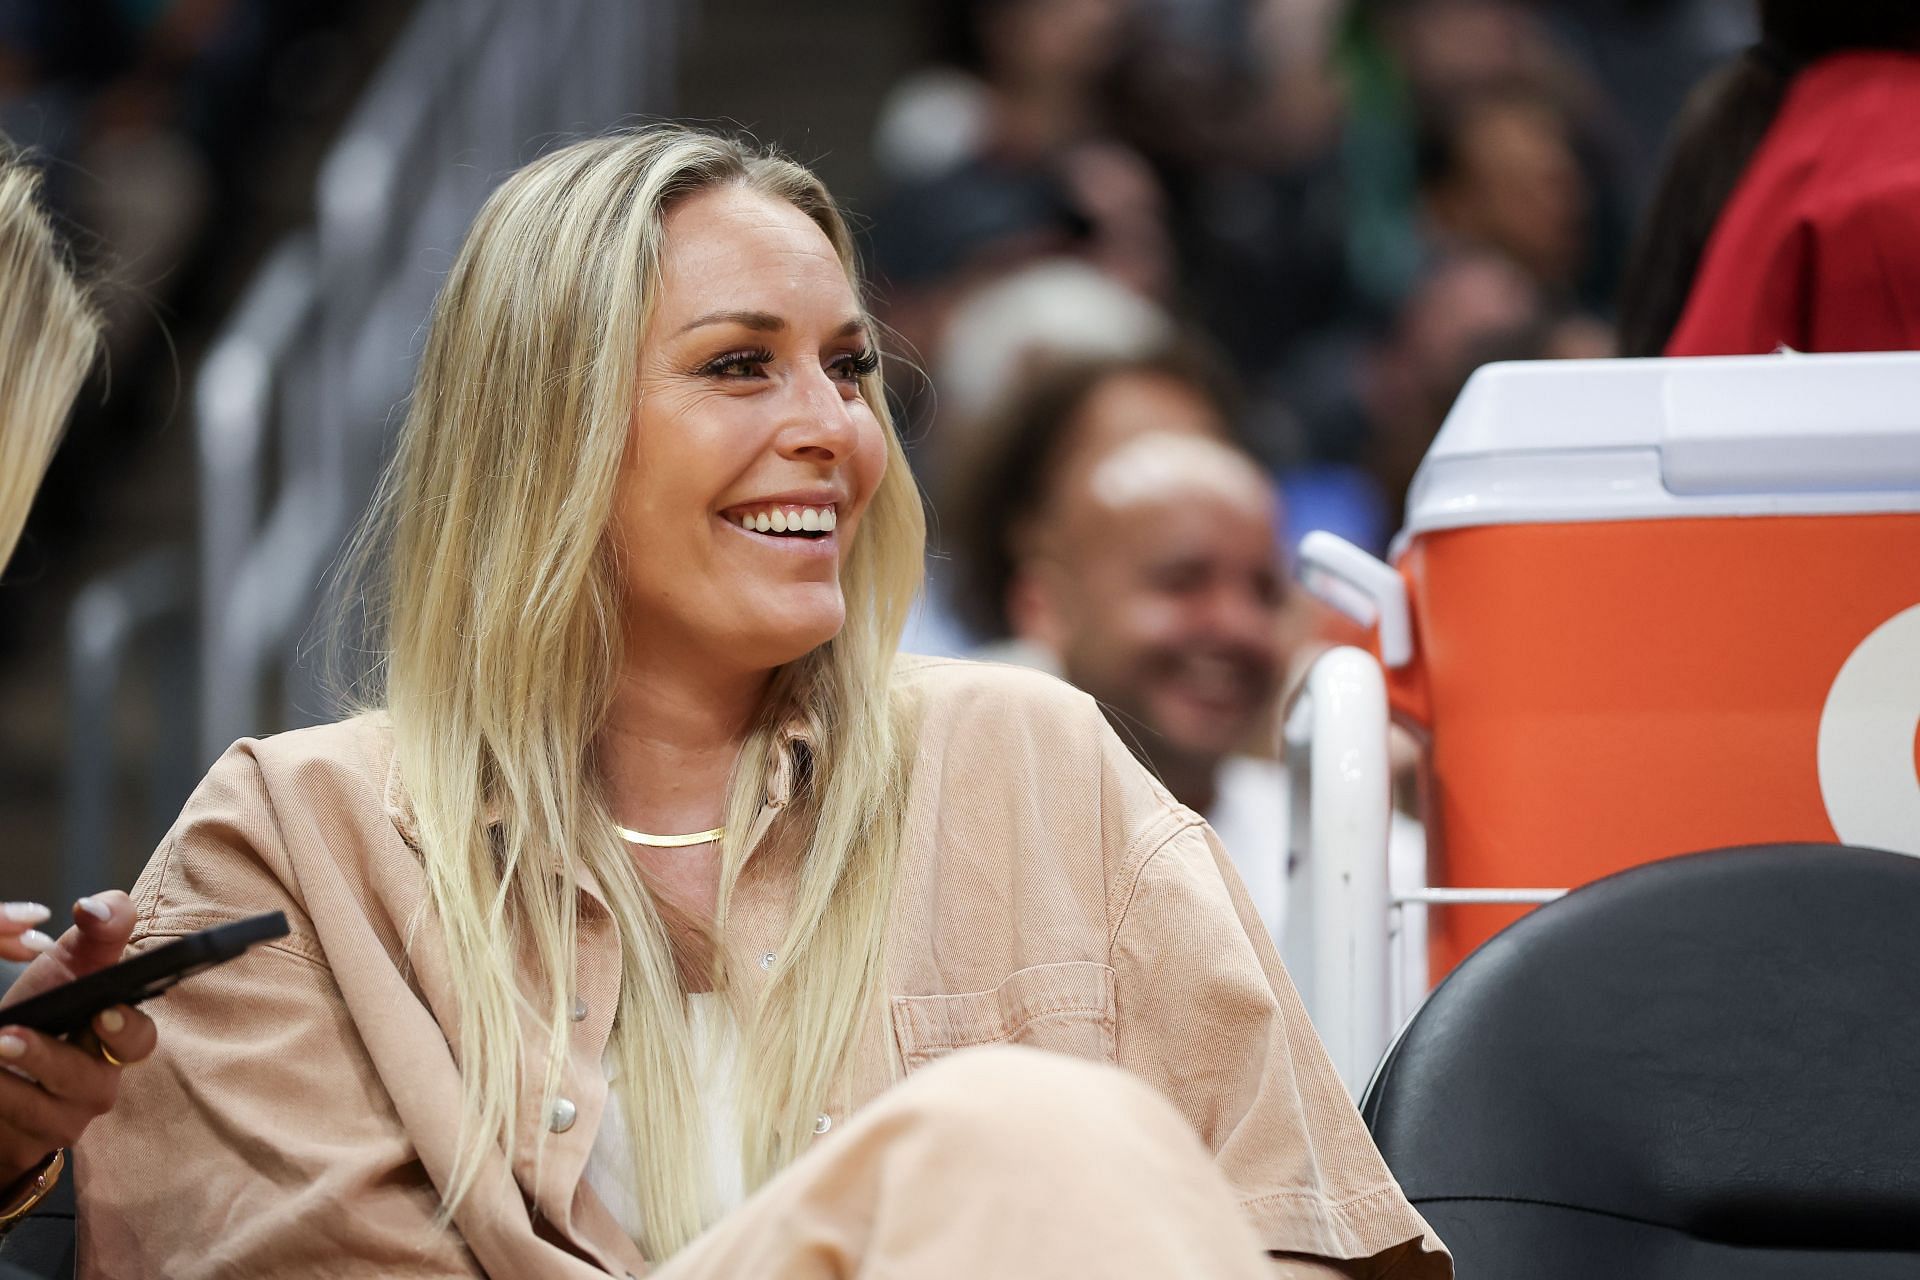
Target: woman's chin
(778,636)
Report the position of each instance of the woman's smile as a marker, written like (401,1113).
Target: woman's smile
(767,528)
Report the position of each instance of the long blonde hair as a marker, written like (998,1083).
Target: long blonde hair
(502,624)
(49,334)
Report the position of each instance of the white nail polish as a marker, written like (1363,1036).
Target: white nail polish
(25,912)
(12,1047)
(112,1020)
(97,909)
(34,940)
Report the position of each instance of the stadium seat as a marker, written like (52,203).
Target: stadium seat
(1704,1067)
(41,1245)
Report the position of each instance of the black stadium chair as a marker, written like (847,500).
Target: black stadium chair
(1703,1068)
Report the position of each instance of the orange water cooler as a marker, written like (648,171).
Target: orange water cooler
(1645,607)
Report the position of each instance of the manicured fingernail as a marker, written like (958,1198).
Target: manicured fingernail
(34,940)
(112,1020)
(12,1047)
(25,912)
(97,909)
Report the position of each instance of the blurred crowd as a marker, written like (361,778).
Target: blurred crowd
(1189,278)
(1350,203)
(175,138)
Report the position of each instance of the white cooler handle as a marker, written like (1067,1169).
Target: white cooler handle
(1362,587)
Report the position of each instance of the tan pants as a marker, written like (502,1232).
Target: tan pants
(997,1164)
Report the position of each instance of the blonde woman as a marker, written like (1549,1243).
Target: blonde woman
(662,916)
(49,334)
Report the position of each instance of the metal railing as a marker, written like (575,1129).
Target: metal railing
(293,405)
(1356,932)
(144,601)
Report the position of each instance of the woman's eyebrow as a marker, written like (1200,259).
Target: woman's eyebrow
(762,322)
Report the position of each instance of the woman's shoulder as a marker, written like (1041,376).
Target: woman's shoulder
(344,759)
(275,824)
(959,689)
(1001,716)
(1044,745)
(323,787)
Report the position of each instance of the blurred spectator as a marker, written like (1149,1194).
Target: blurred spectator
(1022,80)
(1052,311)
(1467,309)
(1497,169)
(1155,584)
(1241,109)
(1096,200)
(1646,55)
(1089,225)
(1002,156)
(1406,61)
(1010,133)
(1042,439)
(1786,215)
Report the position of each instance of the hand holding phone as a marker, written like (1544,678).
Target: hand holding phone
(50,1090)
(72,1006)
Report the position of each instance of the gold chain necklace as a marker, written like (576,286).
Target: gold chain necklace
(669,842)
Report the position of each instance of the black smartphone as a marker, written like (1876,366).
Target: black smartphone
(69,1008)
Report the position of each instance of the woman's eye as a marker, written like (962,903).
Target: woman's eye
(738,364)
(856,364)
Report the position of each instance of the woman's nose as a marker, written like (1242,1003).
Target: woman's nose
(819,419)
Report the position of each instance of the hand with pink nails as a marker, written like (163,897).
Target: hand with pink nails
(50,1090)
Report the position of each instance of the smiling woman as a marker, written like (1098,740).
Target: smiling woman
(659,910)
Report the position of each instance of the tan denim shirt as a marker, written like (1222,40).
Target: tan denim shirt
(302,1109)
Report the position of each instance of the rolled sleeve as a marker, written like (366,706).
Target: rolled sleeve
(1207,1013)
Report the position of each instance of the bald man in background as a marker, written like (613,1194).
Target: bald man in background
(1155,583)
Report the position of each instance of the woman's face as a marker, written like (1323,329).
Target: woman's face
(753,455)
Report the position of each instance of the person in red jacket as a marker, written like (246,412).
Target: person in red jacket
(1788,214)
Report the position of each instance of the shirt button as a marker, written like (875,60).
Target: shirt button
(766,960)
(563,1114)
(822,1123)
(580,1010)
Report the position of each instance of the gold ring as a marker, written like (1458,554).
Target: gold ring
(108,1055)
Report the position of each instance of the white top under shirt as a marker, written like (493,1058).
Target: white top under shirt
(716,1046)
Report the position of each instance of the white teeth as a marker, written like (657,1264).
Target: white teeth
(790,520)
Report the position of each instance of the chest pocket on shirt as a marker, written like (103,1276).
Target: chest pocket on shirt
(1066,1007)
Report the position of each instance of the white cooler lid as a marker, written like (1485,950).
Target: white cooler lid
(1555,441)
